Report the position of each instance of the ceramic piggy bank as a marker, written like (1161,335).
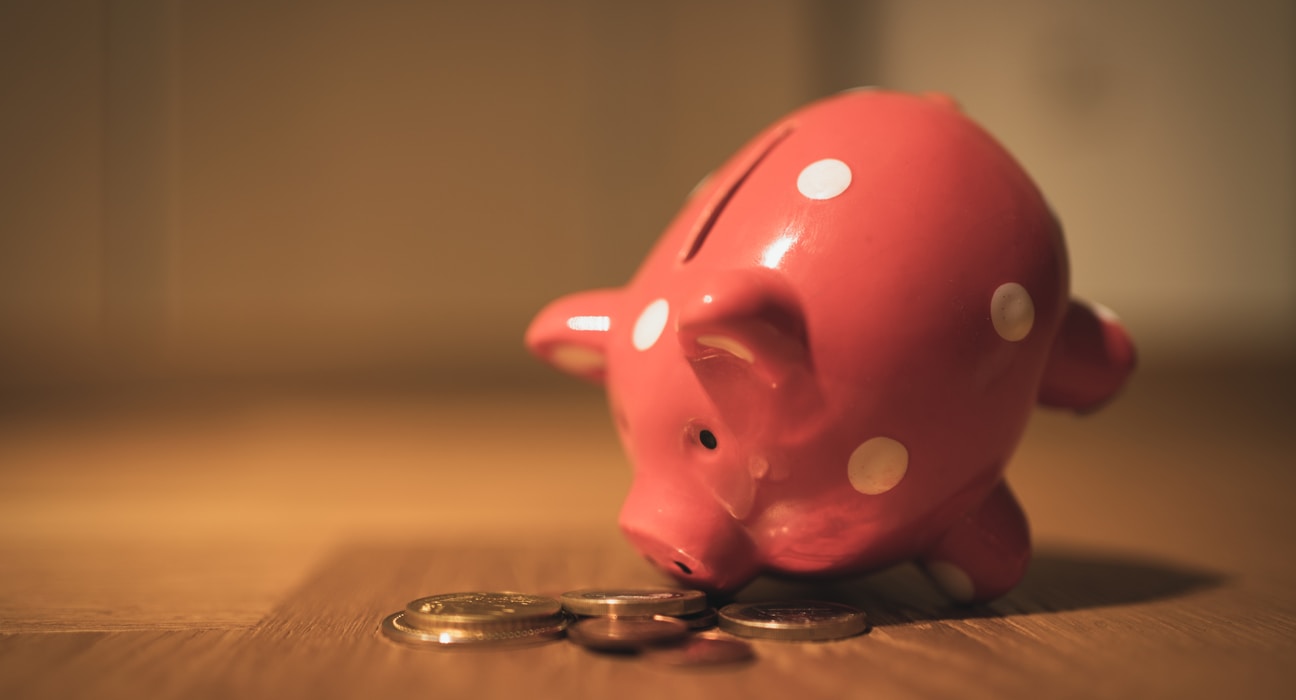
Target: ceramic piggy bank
(826,361)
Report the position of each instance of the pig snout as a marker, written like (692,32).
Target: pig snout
(693,540)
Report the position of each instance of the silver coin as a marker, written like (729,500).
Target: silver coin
(702,650)
(793,620)
(634,601)
(626,633)
(481,610)
(394,627)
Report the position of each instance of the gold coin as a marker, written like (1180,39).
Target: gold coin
(634,601)
(793,620)
(481,610)
(394,627)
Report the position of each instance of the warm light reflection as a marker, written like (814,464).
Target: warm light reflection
(774,252)
(589,323)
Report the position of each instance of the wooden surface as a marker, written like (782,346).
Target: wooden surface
(247,543)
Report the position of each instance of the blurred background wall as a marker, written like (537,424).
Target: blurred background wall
(215,190)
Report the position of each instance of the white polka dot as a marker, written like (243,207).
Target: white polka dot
(651,323)
(952,580)
(727,344)
(877,465)
(576,359)
(824,179)
(1012,311)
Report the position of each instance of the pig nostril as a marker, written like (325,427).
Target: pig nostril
(683,568)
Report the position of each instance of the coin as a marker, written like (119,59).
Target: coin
(481,611)
(794,620)
(626,633)
(394,627)
(634,601)
(705,619)
(702,650)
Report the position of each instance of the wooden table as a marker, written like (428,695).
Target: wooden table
(246,544)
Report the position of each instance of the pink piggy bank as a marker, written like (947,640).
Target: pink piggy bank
(826,361)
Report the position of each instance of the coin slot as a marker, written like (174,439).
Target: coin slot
(720,201)
(687,571)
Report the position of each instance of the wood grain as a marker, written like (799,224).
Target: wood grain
(1084,624)
(1164,560)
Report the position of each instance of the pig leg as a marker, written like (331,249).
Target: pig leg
(985,554)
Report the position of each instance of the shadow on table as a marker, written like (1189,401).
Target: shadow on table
(1059,579)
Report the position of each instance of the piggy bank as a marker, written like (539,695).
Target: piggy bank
(827,359)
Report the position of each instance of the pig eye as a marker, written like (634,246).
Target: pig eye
(708,439)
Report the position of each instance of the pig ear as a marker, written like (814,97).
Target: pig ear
(1091,358)
(749,321)
(943,100)
(571,333)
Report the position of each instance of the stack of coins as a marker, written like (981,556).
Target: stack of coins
(489,618)
(632,620)
(664,625)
